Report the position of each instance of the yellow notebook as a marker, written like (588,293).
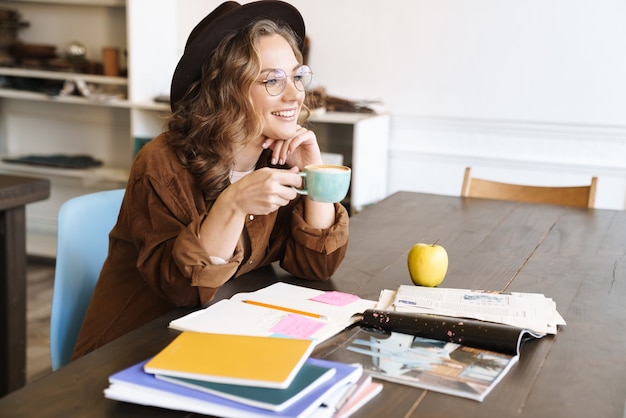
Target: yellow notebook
(235,359)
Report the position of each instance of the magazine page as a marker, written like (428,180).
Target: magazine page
(524,310)
(421,362)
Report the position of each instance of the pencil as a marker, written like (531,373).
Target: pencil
(282,308)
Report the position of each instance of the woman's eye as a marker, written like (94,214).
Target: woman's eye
(271,81)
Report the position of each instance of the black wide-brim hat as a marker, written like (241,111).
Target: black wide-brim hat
(229,17)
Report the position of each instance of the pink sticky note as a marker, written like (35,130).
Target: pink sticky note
(297,326)
(336,298)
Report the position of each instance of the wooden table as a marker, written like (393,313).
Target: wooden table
(15,193)
(575,256)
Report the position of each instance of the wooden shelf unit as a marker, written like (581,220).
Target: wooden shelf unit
(36,123)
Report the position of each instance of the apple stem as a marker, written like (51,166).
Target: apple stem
(435,243)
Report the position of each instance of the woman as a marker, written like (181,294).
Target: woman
(212,197)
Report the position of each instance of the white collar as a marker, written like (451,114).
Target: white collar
(236,175)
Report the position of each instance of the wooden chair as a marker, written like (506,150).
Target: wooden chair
(579,196)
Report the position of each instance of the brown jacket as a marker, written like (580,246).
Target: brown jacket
(156,261)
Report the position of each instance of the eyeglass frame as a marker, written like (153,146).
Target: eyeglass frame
(283,81)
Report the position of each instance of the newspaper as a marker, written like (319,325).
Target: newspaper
(530,311)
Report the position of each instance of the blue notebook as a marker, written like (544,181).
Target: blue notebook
(133,385)
(308,378)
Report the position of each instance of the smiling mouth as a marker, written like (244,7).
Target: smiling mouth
(285,113)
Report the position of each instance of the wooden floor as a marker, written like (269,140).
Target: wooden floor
(40,279)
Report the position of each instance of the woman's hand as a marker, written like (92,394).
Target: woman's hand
(300,150)
(263,191)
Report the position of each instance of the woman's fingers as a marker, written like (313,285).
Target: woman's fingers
(301,149)
(266,189)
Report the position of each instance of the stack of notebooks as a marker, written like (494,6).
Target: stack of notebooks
(229,375)
(249,356)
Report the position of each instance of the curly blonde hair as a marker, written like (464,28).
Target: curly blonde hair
(217,112)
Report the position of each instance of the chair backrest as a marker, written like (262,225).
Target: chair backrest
(84,224)
(579,196)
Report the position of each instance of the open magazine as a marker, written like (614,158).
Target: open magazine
(281,309)
(456,341)
(456,356)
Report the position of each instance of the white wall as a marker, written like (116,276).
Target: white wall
(534,60)
(529,91)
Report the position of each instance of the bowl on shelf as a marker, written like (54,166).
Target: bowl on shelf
(34,51)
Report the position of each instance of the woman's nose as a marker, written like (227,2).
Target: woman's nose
(291,91)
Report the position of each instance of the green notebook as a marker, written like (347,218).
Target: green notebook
(308,378)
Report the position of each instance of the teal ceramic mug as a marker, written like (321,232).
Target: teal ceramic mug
(325,182)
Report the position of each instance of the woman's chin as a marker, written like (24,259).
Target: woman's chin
(280,134)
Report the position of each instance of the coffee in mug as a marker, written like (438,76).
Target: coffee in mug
(325,182)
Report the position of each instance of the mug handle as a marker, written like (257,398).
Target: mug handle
(303,190)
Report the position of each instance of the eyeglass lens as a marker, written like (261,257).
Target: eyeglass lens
(276,80)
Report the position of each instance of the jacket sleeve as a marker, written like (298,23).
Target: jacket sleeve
(314,253)
(191,258)
(164,222)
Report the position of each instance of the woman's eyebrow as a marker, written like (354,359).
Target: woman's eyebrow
(295,67)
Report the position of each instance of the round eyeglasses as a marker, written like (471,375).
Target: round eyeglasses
(276,80)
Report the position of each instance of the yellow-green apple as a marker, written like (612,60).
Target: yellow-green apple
(428,264)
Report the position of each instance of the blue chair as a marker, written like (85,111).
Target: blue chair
(84,224)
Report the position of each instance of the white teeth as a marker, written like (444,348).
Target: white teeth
(285,113)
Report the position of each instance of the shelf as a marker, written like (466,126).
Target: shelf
(60,75)
(91,175)
(105,3)
(362,140)
(96,100)
(103,123)
(112,102)
(339,117)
